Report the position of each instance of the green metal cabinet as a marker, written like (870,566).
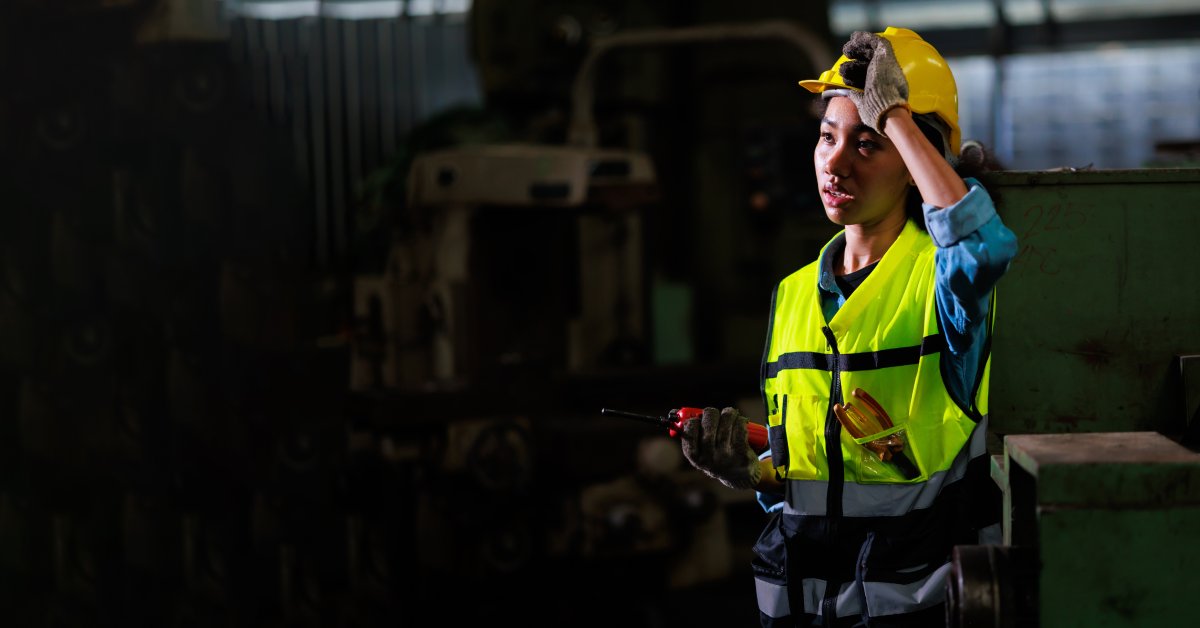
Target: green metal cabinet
(1111,519)
(1095,383)
(1100,302)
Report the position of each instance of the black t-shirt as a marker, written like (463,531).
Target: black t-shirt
(848,282)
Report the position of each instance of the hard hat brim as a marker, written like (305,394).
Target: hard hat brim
(815,86)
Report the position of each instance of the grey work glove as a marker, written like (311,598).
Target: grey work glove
(873,69)
(716,443)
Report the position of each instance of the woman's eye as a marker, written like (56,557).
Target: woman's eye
(826,136)
(867,145)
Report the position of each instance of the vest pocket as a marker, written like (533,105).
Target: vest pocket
(769,564)
(770,553)
(884,457)
(798,442)
(899,574)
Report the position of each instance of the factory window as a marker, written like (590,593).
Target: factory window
(343,9)
(849,15)
(1104,108)
(1062,83)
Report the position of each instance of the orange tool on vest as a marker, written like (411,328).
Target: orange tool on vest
(889,448)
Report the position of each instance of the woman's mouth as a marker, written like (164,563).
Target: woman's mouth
(835,197)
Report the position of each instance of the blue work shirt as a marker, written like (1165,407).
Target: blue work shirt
(974,250)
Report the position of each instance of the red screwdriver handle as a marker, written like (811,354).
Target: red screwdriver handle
(679,416)
(756,434)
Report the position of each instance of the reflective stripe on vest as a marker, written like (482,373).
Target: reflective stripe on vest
(884,339)
(773,598)
(882,598)
(807,497)
(889,598)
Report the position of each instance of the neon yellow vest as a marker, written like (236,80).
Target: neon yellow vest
(885,340)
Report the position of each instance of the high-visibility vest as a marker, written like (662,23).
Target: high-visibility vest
(884,339)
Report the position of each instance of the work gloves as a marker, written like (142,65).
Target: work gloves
(716,443)
(873,68)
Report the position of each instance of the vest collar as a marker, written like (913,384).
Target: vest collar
(898,256)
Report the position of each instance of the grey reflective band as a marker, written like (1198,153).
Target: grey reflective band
(889,598)
(849,601)
(807,497)
(773,598)
(882,598)
(864,361)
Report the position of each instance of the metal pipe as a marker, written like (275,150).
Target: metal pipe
(582,130)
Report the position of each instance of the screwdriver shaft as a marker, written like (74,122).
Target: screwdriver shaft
(631,415)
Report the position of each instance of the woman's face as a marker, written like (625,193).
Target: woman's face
(860,175)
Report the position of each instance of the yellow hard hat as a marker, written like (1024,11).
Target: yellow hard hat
(931,86)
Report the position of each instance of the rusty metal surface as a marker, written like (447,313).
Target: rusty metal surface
(1112,519)
(1034,451)
(1118,568)
(1106,470)
(1099,302)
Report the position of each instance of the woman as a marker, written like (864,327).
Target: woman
(875,374)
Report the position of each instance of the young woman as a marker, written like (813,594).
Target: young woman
(875,373)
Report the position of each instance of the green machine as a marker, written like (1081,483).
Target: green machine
(1099,316)
(1094,399)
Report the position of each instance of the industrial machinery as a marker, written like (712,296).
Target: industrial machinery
(1093,406)
(568,224)
(1097,532)
(533,258)
(527,294)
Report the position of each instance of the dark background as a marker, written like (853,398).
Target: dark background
(185,439)
(202,291)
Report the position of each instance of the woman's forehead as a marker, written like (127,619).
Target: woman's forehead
(841,108)
(842,114)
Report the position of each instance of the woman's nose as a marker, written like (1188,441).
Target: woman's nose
(836,162)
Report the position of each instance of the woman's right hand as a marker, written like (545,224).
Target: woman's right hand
(717,444)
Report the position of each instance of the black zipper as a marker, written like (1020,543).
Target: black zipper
(837,472)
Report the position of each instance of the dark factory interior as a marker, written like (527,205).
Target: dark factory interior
(309,308)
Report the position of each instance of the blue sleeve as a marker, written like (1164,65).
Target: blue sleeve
(974,251)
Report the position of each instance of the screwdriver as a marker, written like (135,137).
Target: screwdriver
(756,434)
